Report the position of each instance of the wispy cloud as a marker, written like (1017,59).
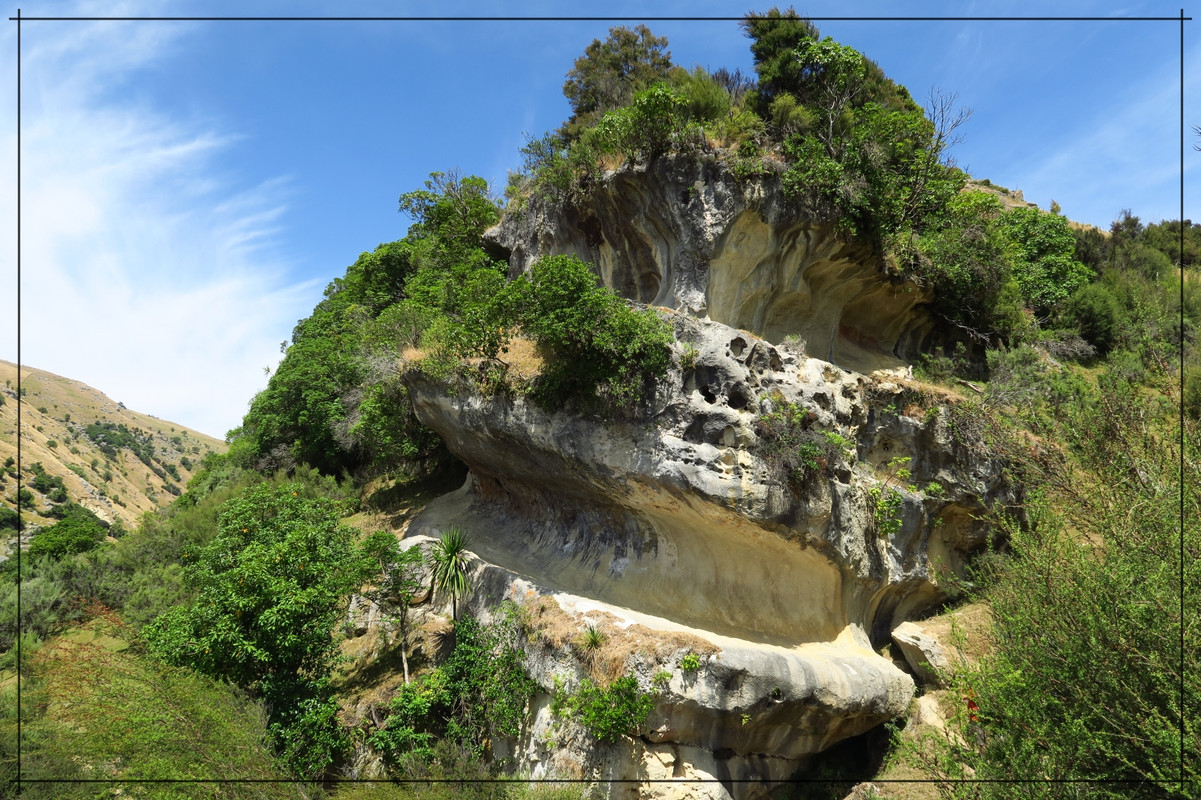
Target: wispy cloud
(1126,153)
(150,269)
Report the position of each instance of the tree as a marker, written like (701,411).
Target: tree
(774,38)
(610,72)
(449,558)
(401,568)
(965,259)
(270,588)
(1042,252)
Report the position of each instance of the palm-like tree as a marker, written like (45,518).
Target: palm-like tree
(449,557)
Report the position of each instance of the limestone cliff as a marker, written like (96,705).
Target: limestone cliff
(675,524)
(686,234)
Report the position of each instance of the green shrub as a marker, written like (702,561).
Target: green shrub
(74,534)
(608,713)
(560,170)
(270,589)
(1096,313)
(648,127)
(1042,251)
(789,117)
(1083,679)
(480,693)
(594,345)
(705,99)
(792,449)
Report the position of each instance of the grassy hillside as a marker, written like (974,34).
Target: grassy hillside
(92,443)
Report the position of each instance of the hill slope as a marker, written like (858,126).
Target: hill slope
(113,461)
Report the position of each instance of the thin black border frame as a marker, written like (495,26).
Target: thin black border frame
(1181,19)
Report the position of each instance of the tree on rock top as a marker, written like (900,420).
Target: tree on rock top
(609,73)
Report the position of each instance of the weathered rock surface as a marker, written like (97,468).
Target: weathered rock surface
(675,521)
(750,712)
(923,653)
(685,234)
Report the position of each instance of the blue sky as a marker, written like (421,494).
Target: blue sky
(189,188)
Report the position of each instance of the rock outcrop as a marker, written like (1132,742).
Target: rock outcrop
(685,234)
(676,530)
(675,522)
(923,653)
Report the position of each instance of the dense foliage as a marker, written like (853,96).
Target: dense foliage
(336,401)
(1086,679)
(594,344)
(608,712)
(997,272)
(269,591)
(478,694)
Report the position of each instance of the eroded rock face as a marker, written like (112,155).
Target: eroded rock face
(924,654)
(685,234)
(677,517)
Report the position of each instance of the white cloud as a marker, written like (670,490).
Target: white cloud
(149,270)
(1125,155)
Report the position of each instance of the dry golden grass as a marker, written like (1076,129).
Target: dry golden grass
(963,631)
(56,440)
(556,628)
(522,357)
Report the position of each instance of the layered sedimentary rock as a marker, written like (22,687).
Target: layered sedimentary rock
(674,531)
(674,521)
(685,234)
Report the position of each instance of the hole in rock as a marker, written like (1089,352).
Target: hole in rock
(708,393)
(737,346)
(738,397)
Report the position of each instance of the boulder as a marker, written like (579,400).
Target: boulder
(923,653)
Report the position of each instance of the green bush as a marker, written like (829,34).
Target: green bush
(270,588)
(479,694)
(1097,314)
(74,534)
(648,127)
(594,344)
(1042,253)
(608,713)
(705,100)
(1084,676)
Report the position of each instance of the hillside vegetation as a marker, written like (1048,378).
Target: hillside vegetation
(94,451)
(1063,346)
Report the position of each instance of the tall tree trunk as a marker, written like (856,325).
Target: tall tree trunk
(404,645)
